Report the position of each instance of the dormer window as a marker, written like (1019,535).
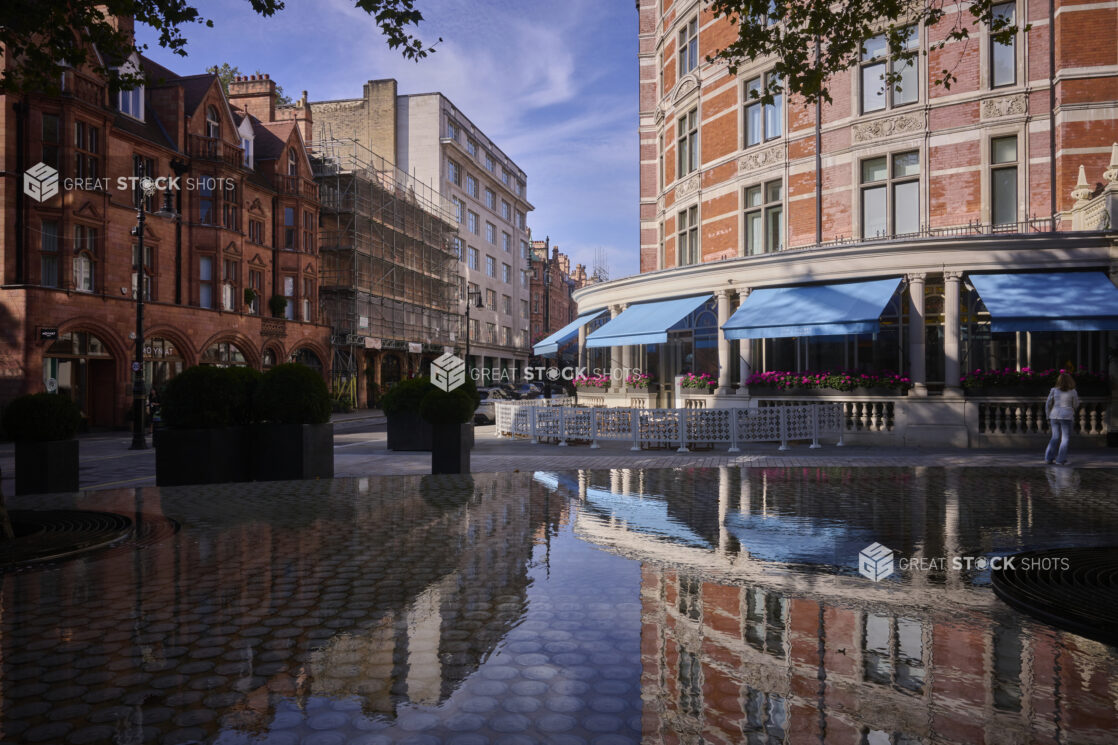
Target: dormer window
(132,103)
(213,124)
(246,145)
(292,167)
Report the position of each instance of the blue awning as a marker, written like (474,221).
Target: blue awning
(645,323)
(816,310)
(1060,301)
(550,345)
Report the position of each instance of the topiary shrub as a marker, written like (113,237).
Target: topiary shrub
(277,304)
(455,407)
(41,417)
(406,396)
(293,394)
(245,381)
(203,397)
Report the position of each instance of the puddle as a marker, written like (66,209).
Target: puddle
(570,607)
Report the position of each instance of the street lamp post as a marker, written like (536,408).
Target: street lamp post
(547,317)
(147,187)
(469,295)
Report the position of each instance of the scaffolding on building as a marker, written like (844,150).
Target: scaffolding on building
(388,268)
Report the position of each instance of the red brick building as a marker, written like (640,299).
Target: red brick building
(246,232)
(552,283)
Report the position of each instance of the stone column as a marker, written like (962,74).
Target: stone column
(951,281)
(745,347)
(615,353)
(916,334)
(582,345)
(626,364)
(724,388)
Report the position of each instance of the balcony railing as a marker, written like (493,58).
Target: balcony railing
(215,150)
(1023,227)
(295,185)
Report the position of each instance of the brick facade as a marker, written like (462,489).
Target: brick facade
(552,306)
(951,132)
(248,221)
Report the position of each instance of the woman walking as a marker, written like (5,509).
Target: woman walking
(1061,406)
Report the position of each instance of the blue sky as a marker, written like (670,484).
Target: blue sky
(552,82)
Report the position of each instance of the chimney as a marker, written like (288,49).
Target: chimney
(255,95)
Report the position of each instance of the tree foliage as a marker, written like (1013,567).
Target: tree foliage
(226,73)
(47,36)
(812,40)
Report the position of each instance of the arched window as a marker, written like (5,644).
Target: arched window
(306,357)
(213,124)
(292,166)
(269,360)
(83,273)
(224,354)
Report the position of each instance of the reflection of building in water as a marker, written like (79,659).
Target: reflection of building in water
(739,646)
(324,589)
(726,663)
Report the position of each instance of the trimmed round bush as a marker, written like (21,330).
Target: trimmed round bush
(406,395)
(293,394)
(245,381)
(440,407)
(203,397)
(42,417)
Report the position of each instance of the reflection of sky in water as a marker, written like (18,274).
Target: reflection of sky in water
(794,540)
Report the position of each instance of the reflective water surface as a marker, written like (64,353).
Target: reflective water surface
(664,606)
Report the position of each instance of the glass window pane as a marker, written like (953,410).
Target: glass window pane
(205,268)
(913,40)
(772,191)
(754,240)
(753,196)
(875,47)
(906,208)
(907,89)
(753,124)
(874,169)
(773,115)
(1004,149)
(1005,196)
(906,164)
(873,90)
(774,229)
(873,212)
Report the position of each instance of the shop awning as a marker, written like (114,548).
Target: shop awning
(645,323)
(550,345)
(1058,301)
(815,310)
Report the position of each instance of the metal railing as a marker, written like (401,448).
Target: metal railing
(657,428)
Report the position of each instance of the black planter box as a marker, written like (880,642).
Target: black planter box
(451,444)
(46,467)
(201,456)
(282,452)
(408,431)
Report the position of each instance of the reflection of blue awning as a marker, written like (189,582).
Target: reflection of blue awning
(1060,301)
(550,345)
(797,540)
(645,323)
(643,514)
(816,310)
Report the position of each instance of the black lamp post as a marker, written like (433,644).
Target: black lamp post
(547,317)
(146,187)
(469,295)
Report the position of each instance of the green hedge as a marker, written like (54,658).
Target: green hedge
(41,417)
(409,395)
(440,407)
(293,394)
(203,397)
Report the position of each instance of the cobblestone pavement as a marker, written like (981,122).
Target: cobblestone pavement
(106,461)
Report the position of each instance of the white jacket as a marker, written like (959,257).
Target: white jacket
(1061,404)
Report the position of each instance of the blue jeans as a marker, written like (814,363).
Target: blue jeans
(1061,432)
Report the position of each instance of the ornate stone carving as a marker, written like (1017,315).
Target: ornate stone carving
(994,108)
(689,186)
(761,159)
(881,128)
(684,88)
